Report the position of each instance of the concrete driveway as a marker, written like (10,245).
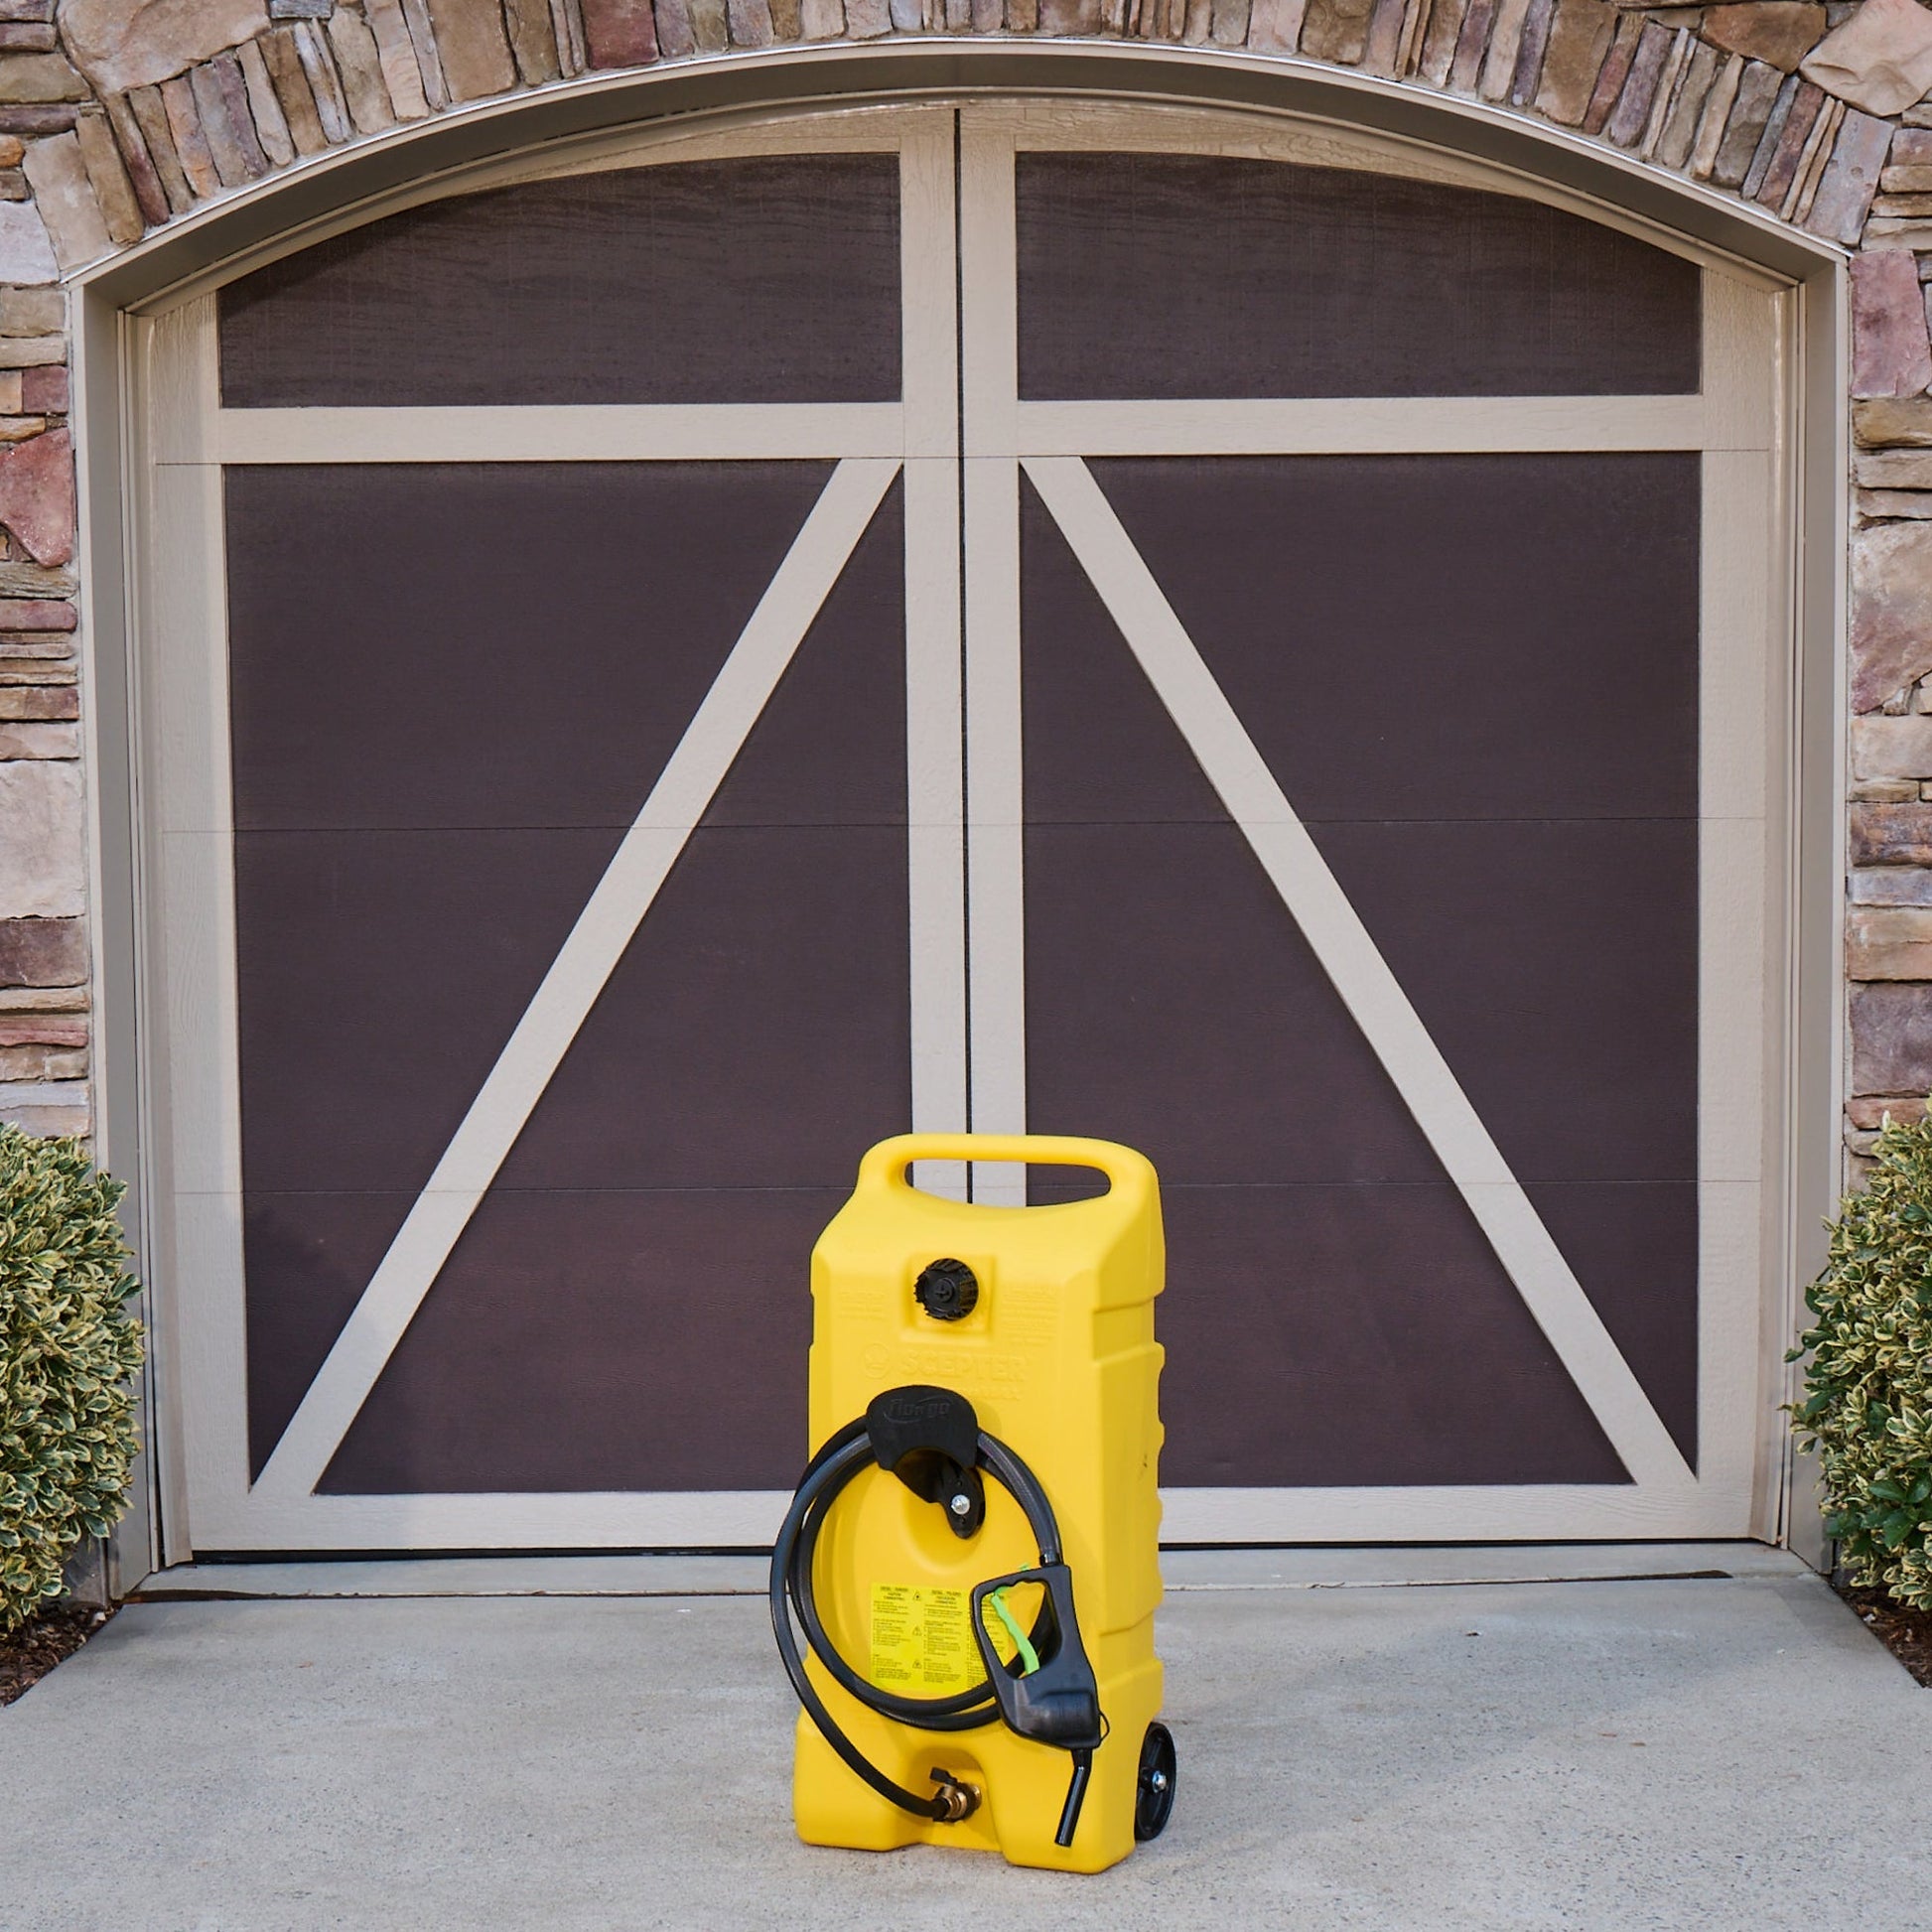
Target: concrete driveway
(1653,1750)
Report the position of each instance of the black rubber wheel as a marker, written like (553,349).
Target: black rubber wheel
(1153,1801)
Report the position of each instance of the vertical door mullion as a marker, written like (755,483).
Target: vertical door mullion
(995,829)
(934,753)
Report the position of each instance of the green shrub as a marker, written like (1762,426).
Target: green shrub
(68,1347)
(1868,1404)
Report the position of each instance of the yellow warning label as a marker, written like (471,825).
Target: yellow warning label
(922,1641)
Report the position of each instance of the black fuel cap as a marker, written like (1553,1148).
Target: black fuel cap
(946,1290)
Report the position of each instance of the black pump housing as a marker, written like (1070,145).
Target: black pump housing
(929,1437)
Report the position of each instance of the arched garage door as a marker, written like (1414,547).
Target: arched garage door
(1209,633)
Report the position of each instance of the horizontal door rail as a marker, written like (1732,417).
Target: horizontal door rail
(578,432)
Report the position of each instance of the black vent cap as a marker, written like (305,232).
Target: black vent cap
(946,1290)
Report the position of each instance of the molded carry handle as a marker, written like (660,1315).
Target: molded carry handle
(1127,1172)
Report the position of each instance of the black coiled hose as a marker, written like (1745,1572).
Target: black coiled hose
(831,1470)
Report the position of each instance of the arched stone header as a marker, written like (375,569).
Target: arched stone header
(171,104)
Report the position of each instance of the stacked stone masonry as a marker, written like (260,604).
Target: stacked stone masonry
(119,116)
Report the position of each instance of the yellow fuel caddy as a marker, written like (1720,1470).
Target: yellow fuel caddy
(973,1550)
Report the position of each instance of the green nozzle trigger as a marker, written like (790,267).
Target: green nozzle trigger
(1029,1656)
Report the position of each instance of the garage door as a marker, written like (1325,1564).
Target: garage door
(1218,634)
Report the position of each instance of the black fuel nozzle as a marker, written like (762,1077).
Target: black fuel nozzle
(1047,1692)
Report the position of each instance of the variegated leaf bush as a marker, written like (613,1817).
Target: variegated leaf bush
(70,1346)
(1868,1402)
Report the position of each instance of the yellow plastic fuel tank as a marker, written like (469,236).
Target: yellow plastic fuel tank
(1058,1357)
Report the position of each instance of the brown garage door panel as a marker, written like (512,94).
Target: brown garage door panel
(379,975)
(1553,953)
(1635,1244)
(1355,1336)
(660,1207)
(830,747)
(1174,1004)
(756,1032)
(619,1340)
(453,686)
(1442,636)
(1100,747)
(308,1256)
(1161,275)
(486,644)
(764,279)
(756,1029)
(1555,964)
(1478,680)
(1214,1054)
(1314,1245)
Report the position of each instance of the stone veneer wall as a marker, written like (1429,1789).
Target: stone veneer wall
(116,116)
